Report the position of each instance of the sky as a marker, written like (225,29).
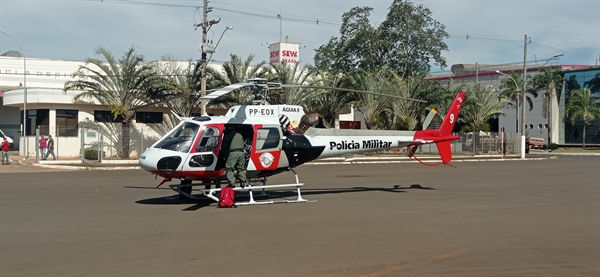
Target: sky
(482,31)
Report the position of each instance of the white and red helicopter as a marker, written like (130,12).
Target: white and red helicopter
(278,139)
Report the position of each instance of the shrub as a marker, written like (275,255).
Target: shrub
(92,154)
(552,146)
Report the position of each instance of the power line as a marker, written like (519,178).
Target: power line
(269,16)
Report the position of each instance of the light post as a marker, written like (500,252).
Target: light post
(203,71)
(553,57)
(24,134)
(518,89)
(217,45)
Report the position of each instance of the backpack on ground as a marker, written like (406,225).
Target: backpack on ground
(227,198)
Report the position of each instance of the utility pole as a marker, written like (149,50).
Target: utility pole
(524,99)
(206,48)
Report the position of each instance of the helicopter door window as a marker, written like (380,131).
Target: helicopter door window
(209,140)
(204,160)
(181,139)
(268,138)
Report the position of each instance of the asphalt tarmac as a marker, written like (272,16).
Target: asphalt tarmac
(495,218)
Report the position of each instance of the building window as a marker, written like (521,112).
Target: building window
(106,116)
(66,123)
(149,117)
(37,118)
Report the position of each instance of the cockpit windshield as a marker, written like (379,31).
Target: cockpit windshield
(181,139)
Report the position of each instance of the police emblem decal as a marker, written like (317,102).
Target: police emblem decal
(266,159)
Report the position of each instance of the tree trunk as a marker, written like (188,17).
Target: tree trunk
(126,140)
(584,127)
(475,142)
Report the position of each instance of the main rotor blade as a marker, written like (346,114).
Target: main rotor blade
(350,90)
(170,97)
(225,90)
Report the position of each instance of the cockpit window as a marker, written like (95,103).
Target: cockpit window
(209,140)
(181,139)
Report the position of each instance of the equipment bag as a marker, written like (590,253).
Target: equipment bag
(227,198)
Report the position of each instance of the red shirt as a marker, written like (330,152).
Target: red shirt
(5,146)
(43,142)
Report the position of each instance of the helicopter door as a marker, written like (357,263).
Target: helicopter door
(266,150)
(202,156)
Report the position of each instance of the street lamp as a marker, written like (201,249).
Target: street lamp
(553,57)
(24,95)
(518,89)
(203,72)
(217,45)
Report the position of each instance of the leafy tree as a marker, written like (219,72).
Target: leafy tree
(236,71)
(344,54)
(123,85)
(594,83)
(572,83)
(581,109)
(408,41)
(412,38)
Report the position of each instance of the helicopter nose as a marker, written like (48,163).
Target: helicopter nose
(152,160)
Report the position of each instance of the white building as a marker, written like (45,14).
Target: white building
(55,113)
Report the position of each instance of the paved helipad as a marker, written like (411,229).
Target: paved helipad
(513,218)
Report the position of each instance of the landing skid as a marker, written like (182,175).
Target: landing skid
(184,190)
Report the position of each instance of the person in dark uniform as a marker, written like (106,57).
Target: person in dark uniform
(236,159)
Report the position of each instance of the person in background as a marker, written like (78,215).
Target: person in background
(50,147)
(43,147)
(5,146)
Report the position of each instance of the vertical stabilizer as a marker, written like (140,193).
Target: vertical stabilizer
(452,115)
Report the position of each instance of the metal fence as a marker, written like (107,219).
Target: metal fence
(485,143)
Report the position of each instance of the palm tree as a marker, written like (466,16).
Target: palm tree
(235,71)
(411,114)
(581,109)
(123,85)
(512,91)
(292,74)
(328,103)
(480,105)
(377,109)
(180,84)
(548,80)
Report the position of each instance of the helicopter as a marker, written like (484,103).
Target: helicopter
(278,138)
